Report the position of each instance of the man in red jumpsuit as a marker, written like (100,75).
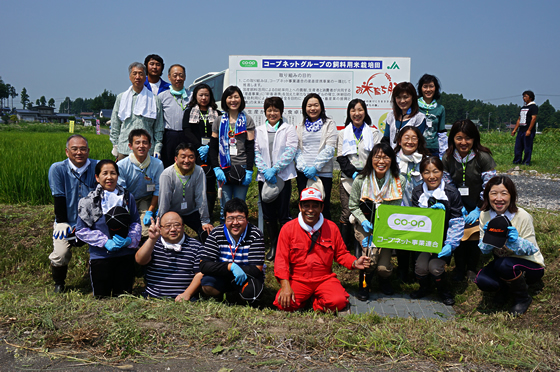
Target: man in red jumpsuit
(305,253)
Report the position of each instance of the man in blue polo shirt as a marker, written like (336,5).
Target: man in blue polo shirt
(139,174)
(69,180)
(172,259)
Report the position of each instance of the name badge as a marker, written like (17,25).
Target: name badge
(464,191)
(429,122)
(232,146)
(184,205)
(151,187)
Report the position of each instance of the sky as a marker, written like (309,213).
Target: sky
(487,50)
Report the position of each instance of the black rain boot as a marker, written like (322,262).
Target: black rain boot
(502,296)
(521,299)
(386,287)
(363,284)
(424,287)
(403,265)
(59,277)
(272,229)
(443,290)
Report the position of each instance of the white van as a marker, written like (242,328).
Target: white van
(218,81)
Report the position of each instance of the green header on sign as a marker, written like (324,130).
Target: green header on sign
(409,228)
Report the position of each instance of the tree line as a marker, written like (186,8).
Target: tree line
(105,100)
(492,116)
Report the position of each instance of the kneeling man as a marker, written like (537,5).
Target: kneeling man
(233,256)
(172,259)
(305,253)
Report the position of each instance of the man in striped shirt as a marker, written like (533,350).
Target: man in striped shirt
(172,258)
(233,256)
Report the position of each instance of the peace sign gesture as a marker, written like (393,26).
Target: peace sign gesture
(154,229)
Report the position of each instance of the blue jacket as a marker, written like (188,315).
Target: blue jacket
(162,87)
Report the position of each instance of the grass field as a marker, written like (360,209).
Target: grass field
(74,325)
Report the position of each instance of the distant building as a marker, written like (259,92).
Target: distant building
(42,114)
(106,113)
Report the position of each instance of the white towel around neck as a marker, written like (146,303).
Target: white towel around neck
(145,104)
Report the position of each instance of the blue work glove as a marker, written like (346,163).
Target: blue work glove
(203,152)
(121,242)
(464,211)
(355,175)
(368,227)
(438,206)
(147,220)
(473,216)
(62,231)
(270,175)
(220,175)
(445,251)
(311,173)
(366,242)
(240,276)
(111,246)
(157,155)
(512,235)
(248,178)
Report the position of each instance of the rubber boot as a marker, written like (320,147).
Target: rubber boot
(386,287)
(363,284)
(424,287)
(403,265)
(521,299)
(272,230)
(443,290)
(59,277)
(502,296)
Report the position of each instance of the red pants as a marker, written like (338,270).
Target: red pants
(328,295)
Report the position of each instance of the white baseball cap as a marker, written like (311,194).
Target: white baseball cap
(311,193)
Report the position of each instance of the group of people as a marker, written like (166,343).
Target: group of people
(135,210)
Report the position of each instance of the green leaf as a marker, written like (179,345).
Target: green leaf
(251,351)
(218,349)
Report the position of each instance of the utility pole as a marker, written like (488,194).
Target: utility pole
(489,121)
(467,115)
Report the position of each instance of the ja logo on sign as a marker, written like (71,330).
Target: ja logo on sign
(394,66)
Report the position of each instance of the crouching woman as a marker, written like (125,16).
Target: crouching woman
(109,223)
(508,232)
(437,194)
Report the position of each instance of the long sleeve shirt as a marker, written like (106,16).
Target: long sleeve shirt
(120,130)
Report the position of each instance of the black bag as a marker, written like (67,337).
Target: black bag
(235,175)
(368,209)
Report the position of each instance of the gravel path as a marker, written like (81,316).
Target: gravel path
(537,192)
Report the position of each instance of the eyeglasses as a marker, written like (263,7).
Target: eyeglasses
(236,218)
(412,139)
(170,226)
(77,149)
(379,158)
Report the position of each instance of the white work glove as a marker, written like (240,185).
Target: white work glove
(114,151)
(62,231)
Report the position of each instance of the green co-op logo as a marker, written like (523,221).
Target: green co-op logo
(248,63)
(410,222)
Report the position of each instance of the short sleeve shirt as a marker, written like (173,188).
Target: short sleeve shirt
(241,157)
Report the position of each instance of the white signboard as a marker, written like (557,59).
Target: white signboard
(337,80)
